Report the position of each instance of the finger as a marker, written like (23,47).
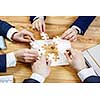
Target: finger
(43,59)
(24,40)
(30,61)
(68,37)
(33,52)
(66,33)
(27,33)
(48,62)
(33,25)
(41,26)
(68,57)
(73,38)
(44,25)
(30,35)
(37,26)
(30,55)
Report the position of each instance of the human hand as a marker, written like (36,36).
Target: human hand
(23,36)
(26,55)
(70,34)
(39,24)
(76,59)
(41,67)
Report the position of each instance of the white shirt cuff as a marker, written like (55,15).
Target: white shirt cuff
(42,17)
(37,77)
(77,28)
(10,32)
(85,73)
(11,60)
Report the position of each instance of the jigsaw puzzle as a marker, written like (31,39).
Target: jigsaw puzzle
(53,49)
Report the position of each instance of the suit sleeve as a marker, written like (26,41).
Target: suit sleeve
(4,27)
(30,80)
(3,63)
(32,17)
(92,79)
(83,23)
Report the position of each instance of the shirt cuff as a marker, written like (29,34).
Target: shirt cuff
(11,60)
(37,77)
(10,32)
(85,73)
(38,17)
(76,27)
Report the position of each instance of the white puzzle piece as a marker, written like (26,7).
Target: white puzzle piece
(53,49)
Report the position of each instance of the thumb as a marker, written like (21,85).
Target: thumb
(68,57)
(25,40)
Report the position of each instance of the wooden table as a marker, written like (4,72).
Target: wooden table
(55,25)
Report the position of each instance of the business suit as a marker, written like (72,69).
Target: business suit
(81,22)
(30,80)
(91,79)
(4,27)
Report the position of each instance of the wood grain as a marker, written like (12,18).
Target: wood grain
(55,25)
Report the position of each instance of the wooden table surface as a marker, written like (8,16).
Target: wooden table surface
(55,26)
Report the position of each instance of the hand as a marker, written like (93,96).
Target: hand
(26,55)
(41,67)
(76,59)
(70,34)
(39,24)
(23,36)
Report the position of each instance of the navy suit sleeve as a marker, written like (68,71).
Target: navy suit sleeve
(32,17)
(30,81)
(3,63)
(92,79)
(4,27)
(83,22)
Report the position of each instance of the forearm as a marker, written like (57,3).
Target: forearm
(6,29)
(83,22)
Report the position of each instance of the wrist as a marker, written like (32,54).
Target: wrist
(13,36)
(76,30)
(16,55)
(85,67)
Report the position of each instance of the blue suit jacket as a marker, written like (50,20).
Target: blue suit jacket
(82,22)
(4,27)
(92,79)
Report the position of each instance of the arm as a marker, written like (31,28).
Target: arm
(78,27)
(87,75)
(38,22)
(6,29)
(83,22)
(92,79)
(40,71)
(3,63)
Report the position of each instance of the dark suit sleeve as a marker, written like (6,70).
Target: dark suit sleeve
(92,79)
(83,22)
(32,17)
(4,27)
(30,81)
(3,63)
